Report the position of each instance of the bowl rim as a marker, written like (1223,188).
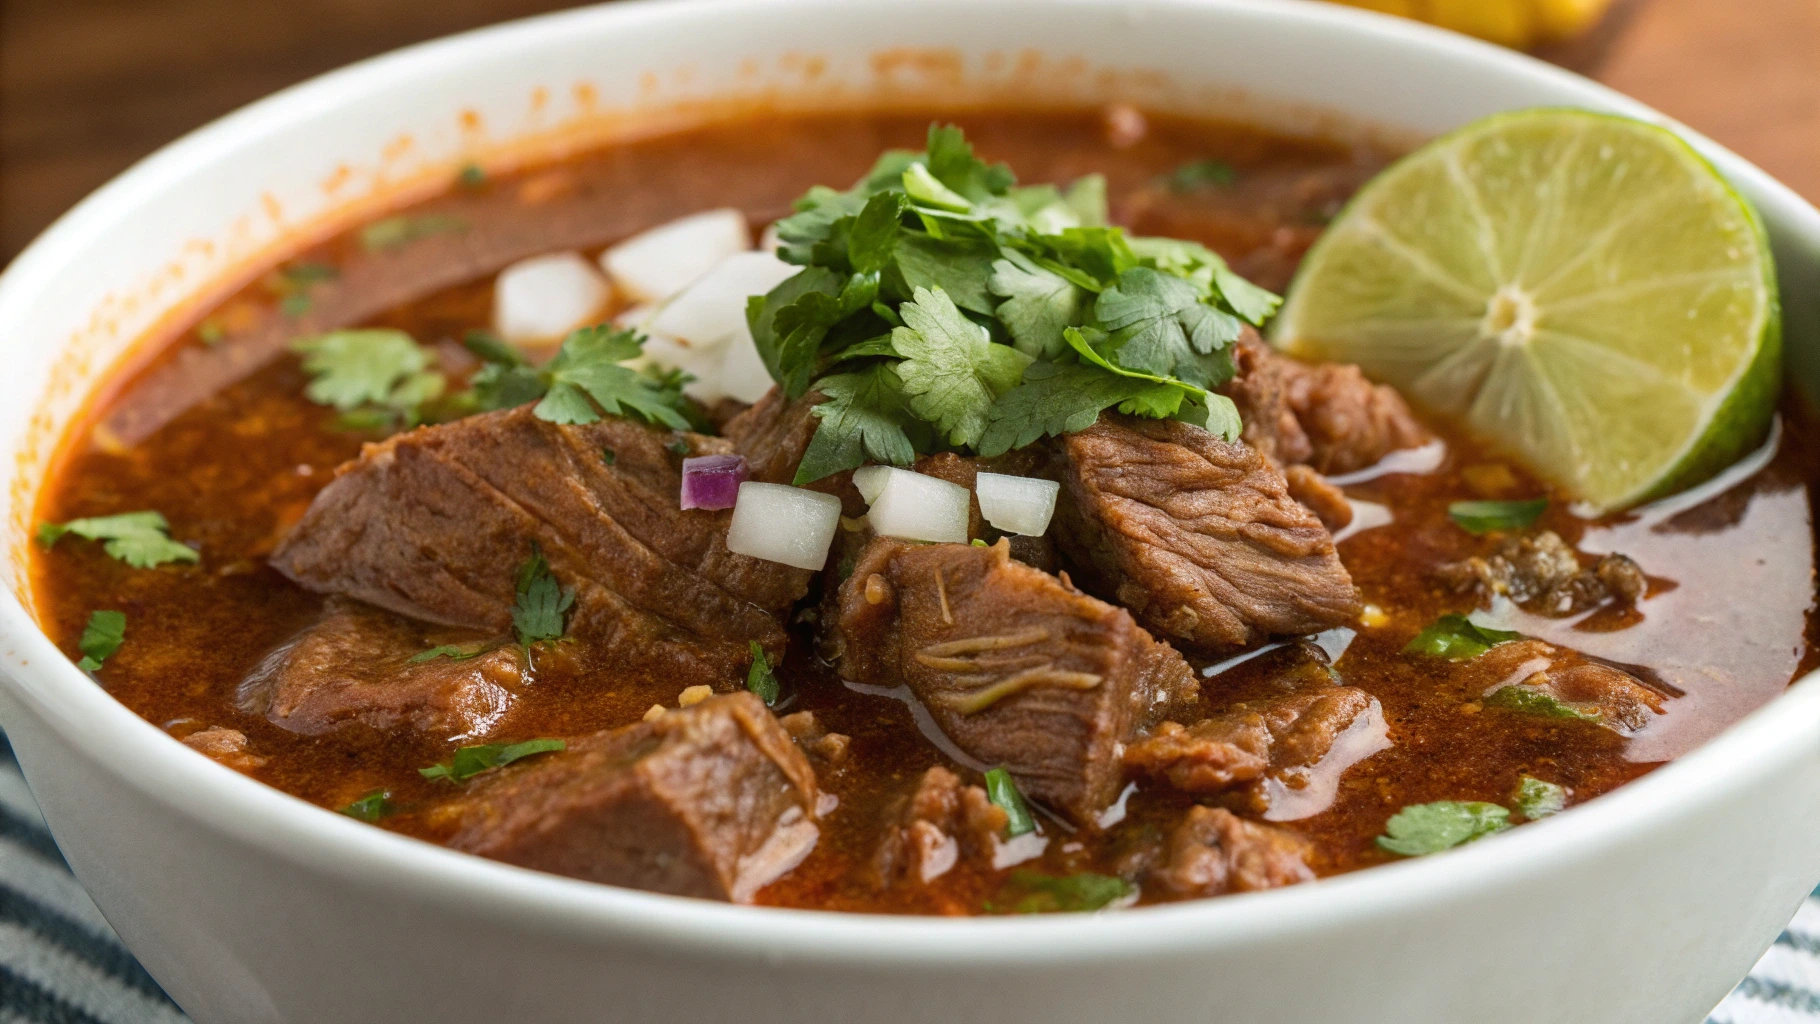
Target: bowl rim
(193,787)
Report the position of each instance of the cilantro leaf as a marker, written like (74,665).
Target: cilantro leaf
(788,342)
(370,808)
(1061,398)
(542,607)
(1087,198)
(1031,892)
(1002,790)
(875,232)
(471,761)
(1457,638)
(759,678)
(392,232)
(1536,799)
(863,416)
(952,372)
(1214,413)
(491,348)
(951,161)
(1198,174)
(359,367)
(1162,326)
(588,367)
(959,266)
(1478,517)
(140,539)
(103,635)
(1442,825)
(1038,304)
(927,190)
(1530,700)
(453,652)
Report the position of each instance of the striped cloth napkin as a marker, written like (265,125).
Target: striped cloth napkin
(60,963)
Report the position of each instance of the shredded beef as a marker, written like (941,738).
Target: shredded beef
(1015,666)
(940,824)
(1199,538)
(1214,851)
(1324,415)
(1514,674)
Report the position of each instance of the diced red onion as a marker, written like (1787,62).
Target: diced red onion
(712,481)
(779,523)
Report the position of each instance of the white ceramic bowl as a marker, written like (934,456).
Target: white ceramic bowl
(250,906)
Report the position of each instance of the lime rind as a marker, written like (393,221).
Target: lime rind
(1639,283)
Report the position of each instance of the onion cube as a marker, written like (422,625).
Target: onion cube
(703,365)
(869,480)
(1017,504)
(918,507)
(712,310)
(656,264)
(742,373)
(712,481)
(546,297)
(778,523)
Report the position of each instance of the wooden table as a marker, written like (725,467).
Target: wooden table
(88,86)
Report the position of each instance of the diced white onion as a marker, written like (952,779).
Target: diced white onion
(742,372)
(653,265)
(1017,504)
(779,523)
(704,365)
(768,240)
(636,316)
(870,480)
(546,297)
(918,507)
(712,310)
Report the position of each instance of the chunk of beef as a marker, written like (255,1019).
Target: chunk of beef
(1537,677)
(1324,415)
(712,800)
(1320,497)
(1275,735)
(773,434)
(433,524)
(1214,851)
(1198,537)
(354,667)
(940,824)
(1015,666)
(1544,575)
(228,746)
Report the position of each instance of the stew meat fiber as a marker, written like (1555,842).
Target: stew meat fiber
(1225,665)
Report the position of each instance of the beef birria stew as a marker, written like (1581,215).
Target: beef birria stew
(744,514)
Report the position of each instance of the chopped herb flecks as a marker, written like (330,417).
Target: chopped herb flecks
(1486,516)
(1031,892)
(1002,790)
(1536,799)
(759,678)
(1528,699)
(294,304)
(1457,638)
(370,808)
(607,456)
(1442,825)
(941,307)
(586,378)
(105,632)
(542,607)
(471,761)
(140,539)
(453,652)
(1199,174)
(396,231)
(379,378)
(471,176)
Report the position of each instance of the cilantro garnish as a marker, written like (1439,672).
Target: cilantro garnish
(453,652)
(377,377)
(210,332)
(935,303)
(543,604)
(1536,799)
(471,761)
(607,456)
(294,305)
(1457,638)
(395,231)
(140,539)
(1002,790)
(1198,174)
(759,678)
(103,635)
(1430,828)
(1031,892)
(370,808)
(1486,516)
(584,380)
(471,176)
(1530,700)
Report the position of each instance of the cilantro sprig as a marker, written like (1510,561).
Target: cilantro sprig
(471,761)
(378,378)
(760,678)
(585,380)
(105,632)
(140,539)
(541,612)
(940,306)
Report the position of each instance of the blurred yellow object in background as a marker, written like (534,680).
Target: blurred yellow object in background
(1519,23)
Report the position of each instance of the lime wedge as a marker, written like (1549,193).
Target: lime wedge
(1582,291)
